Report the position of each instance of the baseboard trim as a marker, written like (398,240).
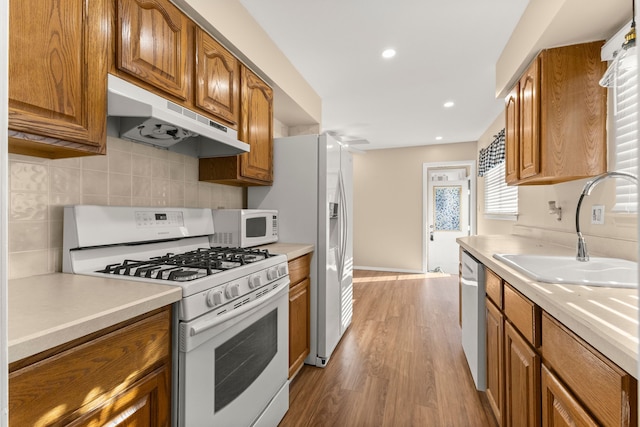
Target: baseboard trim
(392,270)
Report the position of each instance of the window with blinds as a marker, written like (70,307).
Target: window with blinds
(500,200)
(621,78)
(625,119)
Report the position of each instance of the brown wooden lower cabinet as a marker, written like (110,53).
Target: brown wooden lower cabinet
(495,352)
(299,312)
(559,407)
(541,373)
(522,381)
(606,392)
(119,377)
(299,325)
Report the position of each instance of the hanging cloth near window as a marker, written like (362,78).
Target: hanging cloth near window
(493,154)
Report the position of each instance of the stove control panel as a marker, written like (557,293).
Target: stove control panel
(159,219)
(217,298)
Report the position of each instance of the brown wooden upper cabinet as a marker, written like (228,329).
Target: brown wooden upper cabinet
(556,118)
(57,85)
(152,45)
(256,129)
(160,48)
(217,78)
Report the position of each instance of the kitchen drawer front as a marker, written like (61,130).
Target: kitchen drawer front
(607,391)
(493,287)
(299,269)
(523,314)
(81,379)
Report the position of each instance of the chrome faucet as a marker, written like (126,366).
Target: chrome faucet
(583,254)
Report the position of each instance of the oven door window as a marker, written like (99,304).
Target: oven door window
(240,360)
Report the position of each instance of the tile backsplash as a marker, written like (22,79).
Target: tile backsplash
(130,174)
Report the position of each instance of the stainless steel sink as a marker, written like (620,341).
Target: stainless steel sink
(610,272)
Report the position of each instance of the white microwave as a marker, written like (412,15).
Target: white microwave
(244,228)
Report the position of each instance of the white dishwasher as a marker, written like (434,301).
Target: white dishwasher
(473,319)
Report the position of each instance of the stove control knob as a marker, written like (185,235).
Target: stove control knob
(255,282)
(232,291)
(282,270)
(214,298)
(272,273)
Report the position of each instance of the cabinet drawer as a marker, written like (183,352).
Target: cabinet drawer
(603,388)
(493,287)
(523,314)
(81,379)
(299,269)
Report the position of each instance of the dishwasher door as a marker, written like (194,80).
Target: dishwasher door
(473,319)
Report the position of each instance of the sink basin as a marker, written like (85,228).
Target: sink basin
(610,272)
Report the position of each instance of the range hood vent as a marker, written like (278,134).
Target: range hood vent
(150,119)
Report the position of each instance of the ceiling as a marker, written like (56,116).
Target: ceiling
(446,51)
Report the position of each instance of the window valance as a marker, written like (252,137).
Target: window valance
(492,155)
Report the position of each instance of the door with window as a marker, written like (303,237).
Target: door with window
(448,217)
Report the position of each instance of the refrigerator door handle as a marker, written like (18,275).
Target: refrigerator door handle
(343,225)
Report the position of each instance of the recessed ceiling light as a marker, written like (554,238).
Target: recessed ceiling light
(448,104)
(438,138)
(389,53)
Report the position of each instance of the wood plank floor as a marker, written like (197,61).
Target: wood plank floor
(400,363)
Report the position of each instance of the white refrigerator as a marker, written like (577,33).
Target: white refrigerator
(313,193)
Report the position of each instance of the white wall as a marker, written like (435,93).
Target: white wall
(388,203)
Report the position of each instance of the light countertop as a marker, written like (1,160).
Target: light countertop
(291,250)
(606,318)
(52,309)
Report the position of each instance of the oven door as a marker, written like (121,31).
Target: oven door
(233,368)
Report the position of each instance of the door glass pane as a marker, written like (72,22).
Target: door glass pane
(446,207)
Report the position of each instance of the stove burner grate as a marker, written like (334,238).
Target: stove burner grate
(188,266)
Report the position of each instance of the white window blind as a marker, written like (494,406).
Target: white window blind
(499,199)
(626,137)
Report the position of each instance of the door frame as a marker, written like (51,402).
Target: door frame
(471,164)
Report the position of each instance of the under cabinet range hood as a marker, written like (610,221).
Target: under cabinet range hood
(147,118)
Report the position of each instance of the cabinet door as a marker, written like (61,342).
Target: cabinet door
(217,79)
(522,381)
(559,407)
(146,403)
(529,99)
(299,325)
(495,364)
(256,128)
(152,44)
(512,136)
(57,78)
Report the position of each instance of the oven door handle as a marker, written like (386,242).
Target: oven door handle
(208,323)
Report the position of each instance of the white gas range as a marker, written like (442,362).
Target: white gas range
(232,322)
